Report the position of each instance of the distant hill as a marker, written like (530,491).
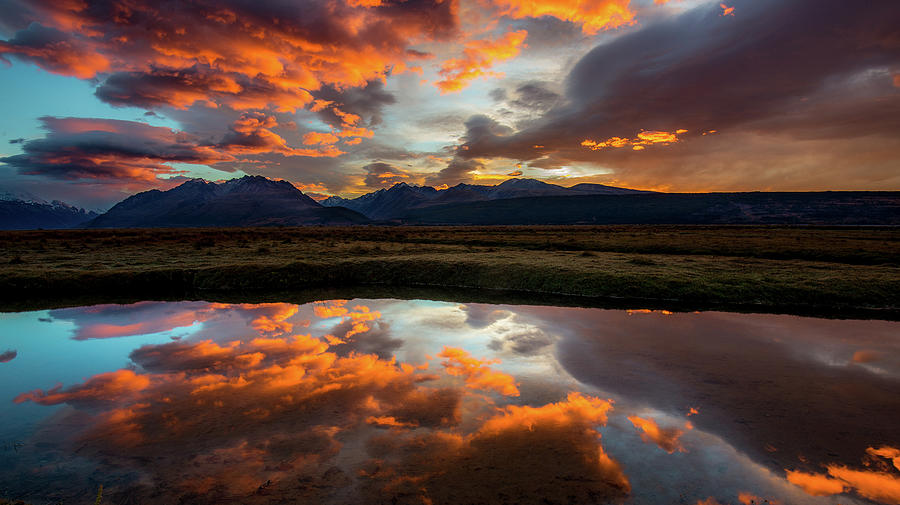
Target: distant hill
(248,201)
(401,198)
(826,208)
(19,212)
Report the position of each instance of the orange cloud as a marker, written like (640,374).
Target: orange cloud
(515,173)
(252,134)
(644,138)
(478,57)
(592,16)
(240,56)
(727,11)
(313,138)
(477,373)
(665,438)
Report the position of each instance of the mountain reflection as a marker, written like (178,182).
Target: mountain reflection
(385,401)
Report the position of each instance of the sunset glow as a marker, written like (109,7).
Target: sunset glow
(447,91)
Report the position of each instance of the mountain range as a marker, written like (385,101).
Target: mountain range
(248,201)
(401,198)
(258,201)
(26,212)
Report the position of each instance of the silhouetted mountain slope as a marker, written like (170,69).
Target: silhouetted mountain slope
(401,198)
(248,201)
(839,208)
(18,214)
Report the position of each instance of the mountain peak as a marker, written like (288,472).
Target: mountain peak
(252,200)
(523,183)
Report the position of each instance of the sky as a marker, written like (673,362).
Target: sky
(105,98)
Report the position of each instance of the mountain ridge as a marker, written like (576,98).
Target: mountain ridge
(401,198)
(29,213)
(245,201)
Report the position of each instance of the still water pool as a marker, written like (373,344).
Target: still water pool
(423,402)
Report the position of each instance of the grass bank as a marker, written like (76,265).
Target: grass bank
(840,272)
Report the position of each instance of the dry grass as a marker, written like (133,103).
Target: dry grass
(765,267)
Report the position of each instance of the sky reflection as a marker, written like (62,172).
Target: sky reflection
(385,401)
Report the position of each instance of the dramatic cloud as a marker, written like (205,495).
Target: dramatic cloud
(381,175)
(230,53)
(592,16)
(478,57)
(669,96)
(828,93)
(83,148)
(252,134)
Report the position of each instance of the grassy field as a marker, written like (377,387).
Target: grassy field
(838,272)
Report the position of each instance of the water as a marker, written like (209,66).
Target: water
(390,401)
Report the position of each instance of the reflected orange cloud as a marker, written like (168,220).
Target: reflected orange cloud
(592,16)
(546,454)
(665,438)
(270,413)
(877,486)
(880,486)
(866,356)
(751,499)
(335,308)
(105,387)
(477,373)
(886,452)
(478,57)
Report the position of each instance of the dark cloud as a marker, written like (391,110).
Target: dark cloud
(17,141)
(108,149)
(534,96)
(382,175)
(55,51)
(8,356)
(788,70)
(458,170)
(366,102)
